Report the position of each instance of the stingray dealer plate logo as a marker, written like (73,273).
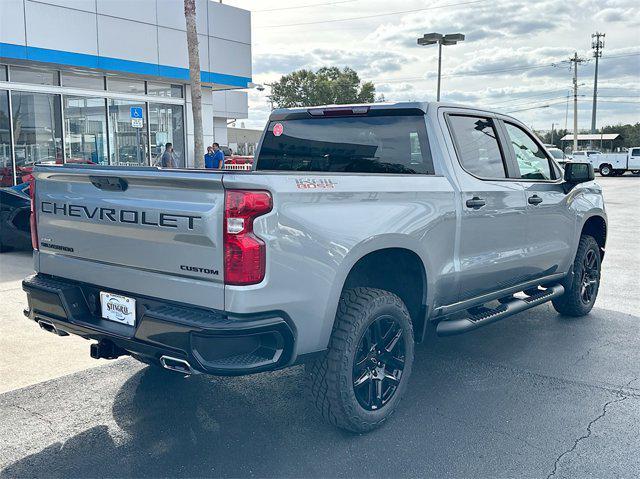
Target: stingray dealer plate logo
(118,308)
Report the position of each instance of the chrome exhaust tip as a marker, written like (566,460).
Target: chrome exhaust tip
(178,365)
(51,328)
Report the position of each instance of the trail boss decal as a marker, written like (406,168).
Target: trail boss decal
(314,184)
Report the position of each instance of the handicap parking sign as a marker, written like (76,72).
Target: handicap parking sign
(136,112)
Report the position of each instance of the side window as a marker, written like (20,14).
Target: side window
(635,152)
(532,160)
(477,144)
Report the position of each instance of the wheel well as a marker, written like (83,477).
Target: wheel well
(596,227)
(399,271)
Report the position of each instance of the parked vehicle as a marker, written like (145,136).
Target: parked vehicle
(558,155)
(359,227)
(231,158)
(583,155)
(15,209)
(616,164)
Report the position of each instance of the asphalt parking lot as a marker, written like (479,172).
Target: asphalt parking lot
(536,395)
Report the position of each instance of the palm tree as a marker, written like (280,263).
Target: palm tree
(194,78)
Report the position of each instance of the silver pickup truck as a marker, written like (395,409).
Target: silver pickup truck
(360,229)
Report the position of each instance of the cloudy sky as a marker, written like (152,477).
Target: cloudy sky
(514,58)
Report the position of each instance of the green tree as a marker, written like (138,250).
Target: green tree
(328,85)
(629,135)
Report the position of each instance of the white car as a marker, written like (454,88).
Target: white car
(558,155)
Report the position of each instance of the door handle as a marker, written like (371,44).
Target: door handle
(534,200)
(475,203)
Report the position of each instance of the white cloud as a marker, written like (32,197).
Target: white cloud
(508,38)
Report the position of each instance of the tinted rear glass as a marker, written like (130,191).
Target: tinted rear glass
(477,145)
(380,144)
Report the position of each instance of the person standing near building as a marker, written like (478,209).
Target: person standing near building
(168,159)
(208,158)
(218,157)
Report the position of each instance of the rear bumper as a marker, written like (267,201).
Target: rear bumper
(211,341)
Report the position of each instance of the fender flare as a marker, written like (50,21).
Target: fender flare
(359,251)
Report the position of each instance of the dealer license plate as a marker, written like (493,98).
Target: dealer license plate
(118,308)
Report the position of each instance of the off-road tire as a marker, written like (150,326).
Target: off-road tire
(571,302)
(330,378)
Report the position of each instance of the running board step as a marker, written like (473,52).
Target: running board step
(488,316)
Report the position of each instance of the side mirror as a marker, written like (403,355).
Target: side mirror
(575,173)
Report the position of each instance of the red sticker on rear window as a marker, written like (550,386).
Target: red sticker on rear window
(278,129)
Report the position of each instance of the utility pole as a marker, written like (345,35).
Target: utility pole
(552,125)
(597,46)
(575,60)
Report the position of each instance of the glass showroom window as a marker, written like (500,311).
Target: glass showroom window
(37,130)
(127,143)
(82,80)
(6,167)
(85,130)
(166,125)
(36,76)
(164,89)
(125,85)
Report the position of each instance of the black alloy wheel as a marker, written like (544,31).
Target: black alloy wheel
(590,277)
(581,287)
(379,363)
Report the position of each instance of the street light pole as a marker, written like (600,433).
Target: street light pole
(440,39)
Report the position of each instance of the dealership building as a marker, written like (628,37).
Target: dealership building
(105,81)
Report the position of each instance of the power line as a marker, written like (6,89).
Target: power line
(544,100)
(536,107)
(583,101)
(500,70)
(542,93)
(304,6)
(377,15)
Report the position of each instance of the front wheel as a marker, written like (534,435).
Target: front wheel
(362,376)
(605,170)
(581,289)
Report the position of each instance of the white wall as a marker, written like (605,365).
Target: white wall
(148,31)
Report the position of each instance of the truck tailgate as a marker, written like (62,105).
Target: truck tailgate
(163,228)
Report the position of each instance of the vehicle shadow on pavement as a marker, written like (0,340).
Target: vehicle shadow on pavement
(478,397)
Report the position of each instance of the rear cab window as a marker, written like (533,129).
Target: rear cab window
(477,145)
(380,143)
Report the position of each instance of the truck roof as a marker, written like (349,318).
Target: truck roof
(423,106)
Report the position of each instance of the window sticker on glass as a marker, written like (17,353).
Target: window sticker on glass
(278,129)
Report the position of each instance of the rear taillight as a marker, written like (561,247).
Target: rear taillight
(32,217)
(244,252)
